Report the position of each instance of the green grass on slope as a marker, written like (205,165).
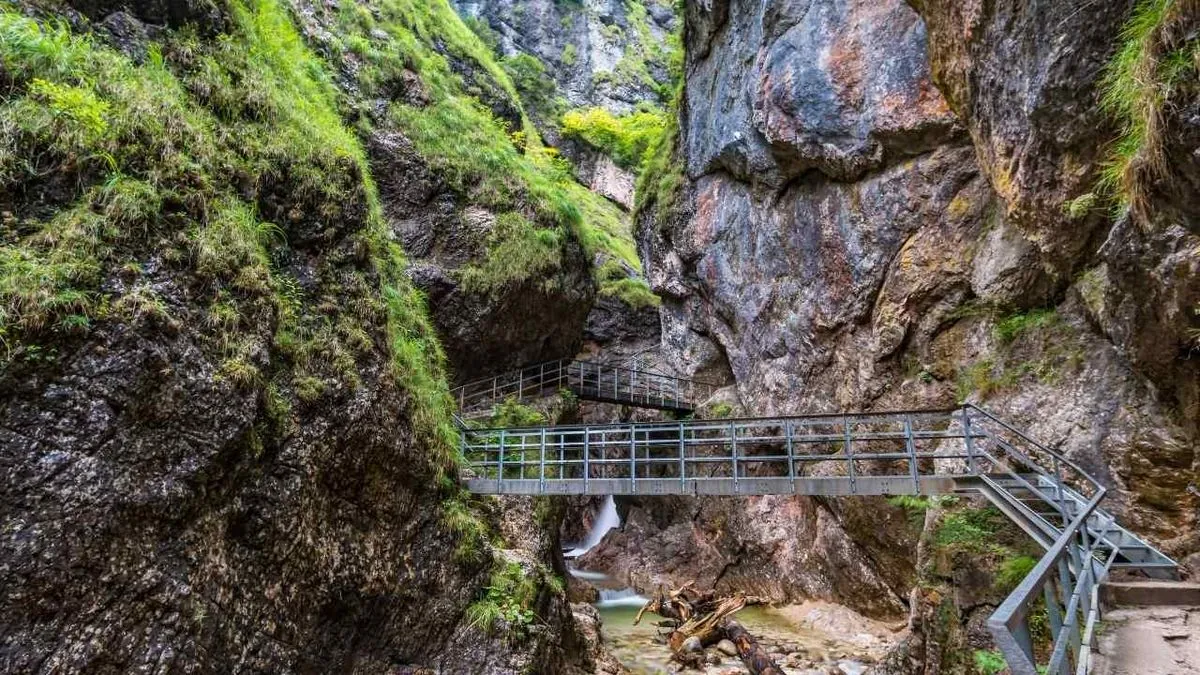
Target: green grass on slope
(503,169)
(174,160)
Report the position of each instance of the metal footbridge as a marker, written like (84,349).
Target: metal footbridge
(919,452)
(592,381)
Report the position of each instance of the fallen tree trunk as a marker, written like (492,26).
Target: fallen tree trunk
(753,656)
(699,619)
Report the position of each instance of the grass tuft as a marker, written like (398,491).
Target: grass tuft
(1159,52)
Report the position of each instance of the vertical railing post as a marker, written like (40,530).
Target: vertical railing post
(542,463)
(500,463)
(562,457)
(849,452)
(733,450)
(587,472)
(970,442)
(632,458)
(911,448)
(1053,609)
(787,432)
(1024,639)
(682,463)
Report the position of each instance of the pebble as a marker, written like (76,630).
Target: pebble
(727,648)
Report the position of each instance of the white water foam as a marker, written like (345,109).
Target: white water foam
(625,597)
(606,520)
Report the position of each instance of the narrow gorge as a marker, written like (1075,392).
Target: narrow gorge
(506,336)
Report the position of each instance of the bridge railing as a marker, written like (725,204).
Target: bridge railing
(906,452)
(619,383)
(523,384)
(586,379)
(902,447)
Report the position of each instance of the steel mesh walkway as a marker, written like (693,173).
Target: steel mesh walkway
(926,452)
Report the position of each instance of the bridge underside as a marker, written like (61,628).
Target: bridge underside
(808,485)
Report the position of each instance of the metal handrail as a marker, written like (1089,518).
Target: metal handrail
(736,456)
(1009,624)
(1067,462)
(724,421)
(585,378)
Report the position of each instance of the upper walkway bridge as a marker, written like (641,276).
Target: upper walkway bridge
(592,381)
(918,452)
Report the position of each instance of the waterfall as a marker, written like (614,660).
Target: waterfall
(606,520)
(624,597)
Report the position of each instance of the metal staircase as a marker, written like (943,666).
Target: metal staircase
(929,452)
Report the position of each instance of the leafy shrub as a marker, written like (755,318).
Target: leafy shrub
(969,529)
(626,139)
(508,600)
(512,413)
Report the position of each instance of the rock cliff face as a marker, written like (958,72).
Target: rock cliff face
(609,53)
(225,435)
(882,210)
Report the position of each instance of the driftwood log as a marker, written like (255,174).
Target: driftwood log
(701,615)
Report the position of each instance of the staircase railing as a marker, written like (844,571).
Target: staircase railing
(1064,582)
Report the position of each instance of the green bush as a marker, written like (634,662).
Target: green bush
(512,413)
(509,599)
(661,181)
(969,529)
(626,139)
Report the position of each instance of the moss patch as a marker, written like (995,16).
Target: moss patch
(214,158)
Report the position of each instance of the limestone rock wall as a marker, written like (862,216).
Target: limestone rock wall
(873,218)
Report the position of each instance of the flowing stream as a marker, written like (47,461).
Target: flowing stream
(801,650)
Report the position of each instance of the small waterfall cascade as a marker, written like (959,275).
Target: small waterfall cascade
(606,520)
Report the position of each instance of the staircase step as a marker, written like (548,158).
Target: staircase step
(1149,593)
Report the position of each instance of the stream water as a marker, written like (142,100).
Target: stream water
(798,647)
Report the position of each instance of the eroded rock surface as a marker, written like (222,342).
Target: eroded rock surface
(874,219)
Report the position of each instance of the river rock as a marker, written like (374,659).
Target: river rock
(727,648)
(692,644)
